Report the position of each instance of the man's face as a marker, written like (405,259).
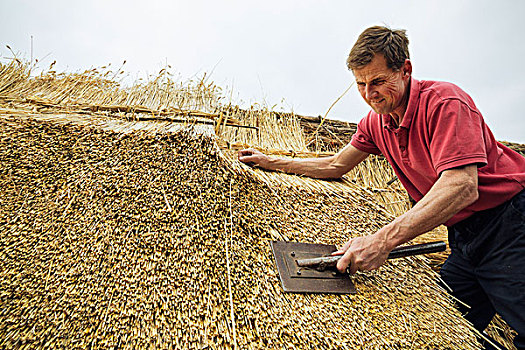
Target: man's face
(384,89)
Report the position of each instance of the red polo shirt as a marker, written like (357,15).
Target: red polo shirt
(443,129)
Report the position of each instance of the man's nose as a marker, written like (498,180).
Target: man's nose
(370,92)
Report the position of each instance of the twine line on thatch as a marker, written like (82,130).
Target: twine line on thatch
(160,115)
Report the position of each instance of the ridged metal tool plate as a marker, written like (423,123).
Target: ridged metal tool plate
(296,279)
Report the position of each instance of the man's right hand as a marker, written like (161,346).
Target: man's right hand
(252,157)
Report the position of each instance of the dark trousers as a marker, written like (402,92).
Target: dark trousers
(486,268)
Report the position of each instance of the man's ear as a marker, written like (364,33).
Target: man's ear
(407,68)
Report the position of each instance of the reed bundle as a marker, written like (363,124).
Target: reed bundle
(117,232)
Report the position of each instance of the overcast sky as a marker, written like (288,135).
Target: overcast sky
(292,50)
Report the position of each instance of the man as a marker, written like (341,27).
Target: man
(449,162)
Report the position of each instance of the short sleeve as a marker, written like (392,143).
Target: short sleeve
(363,139)
(456,136)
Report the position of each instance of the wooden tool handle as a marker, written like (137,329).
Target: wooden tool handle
(399,252)
(416,249)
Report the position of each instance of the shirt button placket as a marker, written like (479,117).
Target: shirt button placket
(402,138)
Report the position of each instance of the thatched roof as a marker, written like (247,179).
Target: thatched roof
(123,227)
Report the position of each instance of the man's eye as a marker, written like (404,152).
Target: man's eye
(378,82)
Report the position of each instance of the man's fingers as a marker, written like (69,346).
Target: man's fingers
(353,268)
(248,156)
(343,263)
(246,152)
(361,253)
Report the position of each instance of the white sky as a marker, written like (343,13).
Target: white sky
(283,49)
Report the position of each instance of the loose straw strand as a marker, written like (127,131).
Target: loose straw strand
(333,104)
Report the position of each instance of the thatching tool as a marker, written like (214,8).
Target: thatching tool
(309,268)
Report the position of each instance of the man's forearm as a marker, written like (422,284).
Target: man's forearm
(332,167)
(455,190)
(320,168)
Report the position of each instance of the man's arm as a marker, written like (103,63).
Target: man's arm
(332,167)
(455,189)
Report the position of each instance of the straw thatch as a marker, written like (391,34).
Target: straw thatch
(123,227)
